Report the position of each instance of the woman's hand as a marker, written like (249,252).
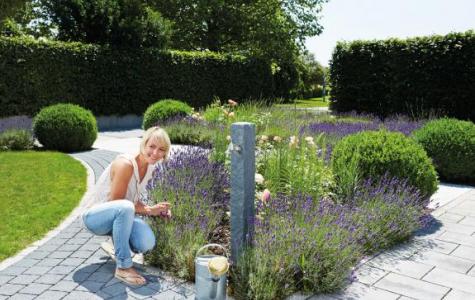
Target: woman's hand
(161,209)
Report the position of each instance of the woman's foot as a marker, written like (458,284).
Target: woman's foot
(130,276)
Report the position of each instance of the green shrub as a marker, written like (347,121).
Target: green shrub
(451,145)
(16,140)
(164,110)
(420,76)
(380,153)
(65,127)
(107,81)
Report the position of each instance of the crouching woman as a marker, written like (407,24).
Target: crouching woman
(118,204)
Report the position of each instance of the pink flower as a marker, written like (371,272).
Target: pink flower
(265,196)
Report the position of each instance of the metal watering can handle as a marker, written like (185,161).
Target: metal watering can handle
(212,245)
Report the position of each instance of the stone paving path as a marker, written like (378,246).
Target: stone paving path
(438,263)
(71,265)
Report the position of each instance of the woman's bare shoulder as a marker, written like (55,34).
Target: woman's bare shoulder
(122,166)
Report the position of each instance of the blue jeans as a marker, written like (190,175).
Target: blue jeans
(117,218)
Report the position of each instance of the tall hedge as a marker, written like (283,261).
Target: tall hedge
(34,74)
(434,74)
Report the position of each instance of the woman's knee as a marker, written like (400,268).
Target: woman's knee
(125,207)
(145,242)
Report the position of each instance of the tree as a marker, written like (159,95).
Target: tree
(310,77)
(9,7)
(117,23)
(272,29)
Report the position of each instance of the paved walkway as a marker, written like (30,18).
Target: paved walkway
(68,264)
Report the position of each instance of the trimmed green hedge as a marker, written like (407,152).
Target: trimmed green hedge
(417,76)
(34,74)
(451,145)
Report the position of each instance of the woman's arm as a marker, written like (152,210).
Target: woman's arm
(121,172)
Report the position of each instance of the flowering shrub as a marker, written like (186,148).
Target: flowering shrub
(294,166)
(198,192)
(16,140)
(301,244)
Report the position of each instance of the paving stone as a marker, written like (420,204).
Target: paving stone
(24,279)
(49,279)
(91,286)
(69,248)
(81,254)
(108,267)
(51,295)
(72,262)
(142,292)
(60,254)
(49,262)
(362,291)
(89,247)
(88,268)
(449,217)
(62,270)
(444,261)
(435,245)
(115,289)
(169,295)
(64,286)
(58,241)
(404,267)
(459,295)
(411,287)
(77,276)
(36,270)
(10,289)
(27,262)
(5,278)
(77,241)
(452,279)
(458,238)
(37,254)
(48,248)
(35,288)
(66,235)
(464,252)
(76,295)
(83,235)
(22,297)
(468,221)
(101,276)
(14,270)
(459,228)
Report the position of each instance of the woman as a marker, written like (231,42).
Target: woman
(118,192)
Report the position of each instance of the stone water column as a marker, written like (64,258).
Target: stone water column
(243,169)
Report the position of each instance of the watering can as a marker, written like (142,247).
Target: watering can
(210,274)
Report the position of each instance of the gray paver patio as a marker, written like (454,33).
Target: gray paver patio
(438,263)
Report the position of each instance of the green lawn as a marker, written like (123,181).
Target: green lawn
(37,191)
(306,103)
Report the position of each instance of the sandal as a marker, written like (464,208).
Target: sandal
(131,279)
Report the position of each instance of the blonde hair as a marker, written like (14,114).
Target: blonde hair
(159,135)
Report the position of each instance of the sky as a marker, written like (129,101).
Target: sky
(347,20)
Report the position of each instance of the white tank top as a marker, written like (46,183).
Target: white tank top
(136,189)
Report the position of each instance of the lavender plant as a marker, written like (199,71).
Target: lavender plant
(299,245)
(198,192)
